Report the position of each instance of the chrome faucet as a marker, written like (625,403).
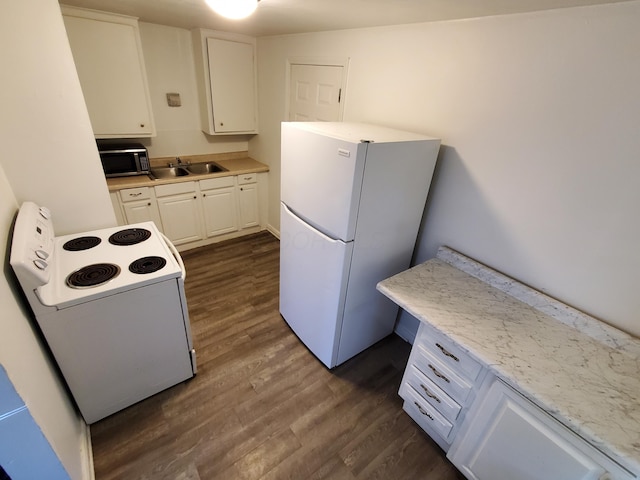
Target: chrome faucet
(178,163)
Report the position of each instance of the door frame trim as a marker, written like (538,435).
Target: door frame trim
(322,62)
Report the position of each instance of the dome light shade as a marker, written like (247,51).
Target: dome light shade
(234,9)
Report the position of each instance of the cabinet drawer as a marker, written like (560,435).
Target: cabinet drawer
(213,183)
(441,375)
(448,353)
(432,393)
(175,189)
(131,194)
(247,178)
(424,414)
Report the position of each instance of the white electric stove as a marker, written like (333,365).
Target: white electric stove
(111,306)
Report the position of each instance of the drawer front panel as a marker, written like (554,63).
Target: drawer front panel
(247,178)
(441,375)
(212,183)
(132,194)
(432,394)
(175,188)
(448,353)
(424,414)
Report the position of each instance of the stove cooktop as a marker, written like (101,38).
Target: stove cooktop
(105,262)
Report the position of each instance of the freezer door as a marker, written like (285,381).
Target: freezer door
(321,179)
(314,270)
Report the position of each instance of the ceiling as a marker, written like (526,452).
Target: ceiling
(276,17)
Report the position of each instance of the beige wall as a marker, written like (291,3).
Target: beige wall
(48,152)
(48,156)
(538,113)
(28,365)
(168,55)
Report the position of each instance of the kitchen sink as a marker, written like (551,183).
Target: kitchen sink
(169,172)
(204,168)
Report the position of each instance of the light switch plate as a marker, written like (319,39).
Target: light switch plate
(173,100)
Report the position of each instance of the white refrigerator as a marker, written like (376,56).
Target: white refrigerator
(352,198)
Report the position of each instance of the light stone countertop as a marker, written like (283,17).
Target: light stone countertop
(235,163)
(582,372)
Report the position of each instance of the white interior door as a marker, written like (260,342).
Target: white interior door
(313,276)
(315,93)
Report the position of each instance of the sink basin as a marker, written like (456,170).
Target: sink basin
(204,168)
(169,172)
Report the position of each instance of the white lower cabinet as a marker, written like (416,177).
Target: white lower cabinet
(195,213)
(439,385)
(248,200)
(180,212)
(509,438)
(489,430)
(139,205)
(219,205)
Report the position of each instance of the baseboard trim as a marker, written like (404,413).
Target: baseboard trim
(405,332)
(88,471)
(273,231)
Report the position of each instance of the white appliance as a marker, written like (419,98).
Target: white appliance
(111,306)
(352,201)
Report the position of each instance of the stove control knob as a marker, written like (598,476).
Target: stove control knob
(41,264)
(45,213)
(42,254)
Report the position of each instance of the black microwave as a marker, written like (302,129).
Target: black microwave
(121,160)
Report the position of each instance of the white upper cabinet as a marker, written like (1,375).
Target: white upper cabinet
(227,86)
(108,56)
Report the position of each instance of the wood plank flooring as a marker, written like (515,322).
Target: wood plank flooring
(262,407)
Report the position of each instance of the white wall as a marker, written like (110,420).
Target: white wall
(48,156)
(539,114)
(27,363)
(48,151)
(168,55)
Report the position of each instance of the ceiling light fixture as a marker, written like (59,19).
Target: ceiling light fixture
(234,9)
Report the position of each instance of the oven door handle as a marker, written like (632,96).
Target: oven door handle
(176,254)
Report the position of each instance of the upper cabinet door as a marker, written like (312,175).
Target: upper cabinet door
(232,85)
(227,86)
(108,57)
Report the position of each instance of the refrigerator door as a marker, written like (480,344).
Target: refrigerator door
(314,270)
(321,179)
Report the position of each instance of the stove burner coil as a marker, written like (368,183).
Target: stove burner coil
(129,236)
(93,275)
(147,265)
(81,243)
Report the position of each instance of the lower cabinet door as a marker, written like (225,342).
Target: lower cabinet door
(248,201)
(510,438)
(180,215)
(219,208)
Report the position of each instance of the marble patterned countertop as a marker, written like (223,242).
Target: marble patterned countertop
(581,371)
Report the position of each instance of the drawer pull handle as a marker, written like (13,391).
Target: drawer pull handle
(422,411)
(429,394)
(438,374)
(447,353)
(135,194)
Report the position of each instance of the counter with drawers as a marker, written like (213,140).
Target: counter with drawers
(552,369)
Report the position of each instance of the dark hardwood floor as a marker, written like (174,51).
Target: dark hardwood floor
(262,406)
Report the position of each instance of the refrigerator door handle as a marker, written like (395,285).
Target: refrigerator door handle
(311,226)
